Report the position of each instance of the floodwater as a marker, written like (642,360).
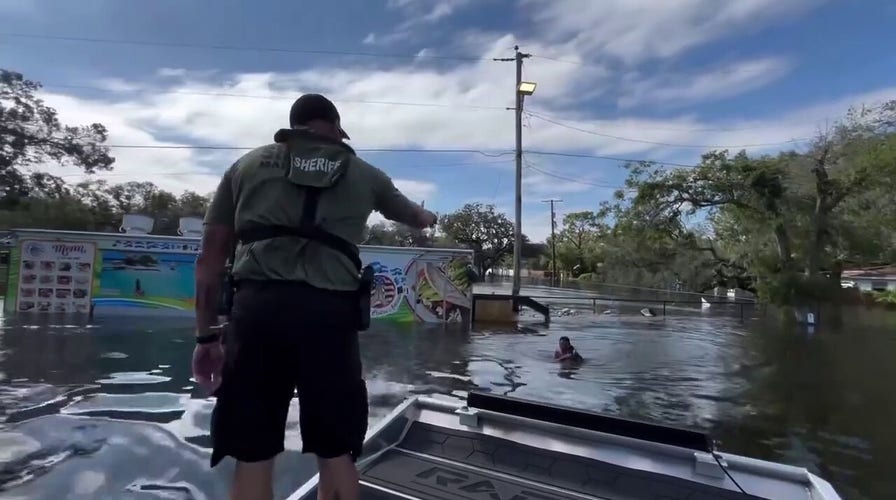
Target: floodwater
(107,410)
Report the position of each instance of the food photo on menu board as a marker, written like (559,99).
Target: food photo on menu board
(56,276)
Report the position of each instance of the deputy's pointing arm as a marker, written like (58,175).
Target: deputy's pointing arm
(395,206)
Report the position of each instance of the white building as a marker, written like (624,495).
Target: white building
(870,279)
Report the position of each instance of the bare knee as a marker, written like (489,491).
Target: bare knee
(338,479)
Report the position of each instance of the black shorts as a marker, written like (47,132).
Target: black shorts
(288,337)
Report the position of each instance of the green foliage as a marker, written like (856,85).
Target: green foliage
(885,297)
(397,235)
(32,136)
(781,225)
(94,207)
(480,227)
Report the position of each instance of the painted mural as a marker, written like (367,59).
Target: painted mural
(145,280)
(421,287)
(441,291)
(155,275)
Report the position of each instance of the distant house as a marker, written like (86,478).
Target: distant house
(870,279)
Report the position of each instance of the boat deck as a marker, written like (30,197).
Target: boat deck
(432,462)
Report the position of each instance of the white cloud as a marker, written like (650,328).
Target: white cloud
(418,15)
(426,11)
(419,191)
(675,90)
(184,106)
(151,117)
(634,31)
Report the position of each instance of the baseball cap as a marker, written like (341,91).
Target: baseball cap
(314,107)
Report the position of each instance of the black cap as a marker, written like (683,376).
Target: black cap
(315,107)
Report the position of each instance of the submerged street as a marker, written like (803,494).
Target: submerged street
(108,411)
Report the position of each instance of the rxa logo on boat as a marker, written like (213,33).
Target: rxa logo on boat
(478,487)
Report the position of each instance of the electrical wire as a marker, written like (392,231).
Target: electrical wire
(114,174)
(236,47)
(492,154)
(271,97)
(657,143)
(611,158)
(530,166)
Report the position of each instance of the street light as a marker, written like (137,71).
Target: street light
(526,88)
(523,89)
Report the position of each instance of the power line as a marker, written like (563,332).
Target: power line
(679,129)
(271,97)
(236,47)
(656,143)
(611,158)
(492,154)
(570,179)
(358,101)
(368,150)
(121,174)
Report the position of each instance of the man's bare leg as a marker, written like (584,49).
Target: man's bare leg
(338,479)
(253,481)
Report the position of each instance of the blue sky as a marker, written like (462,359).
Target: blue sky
(630,79)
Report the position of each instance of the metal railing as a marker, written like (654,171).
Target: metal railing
(623,306)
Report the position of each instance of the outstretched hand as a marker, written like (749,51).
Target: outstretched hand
(427,218)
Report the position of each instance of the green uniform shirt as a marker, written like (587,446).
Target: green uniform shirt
(262,188)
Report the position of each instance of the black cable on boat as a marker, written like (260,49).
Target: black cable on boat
(715,455)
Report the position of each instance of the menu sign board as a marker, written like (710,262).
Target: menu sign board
(55,276)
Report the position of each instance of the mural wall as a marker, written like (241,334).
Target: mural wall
(145,275)
(420,286)
(146,280)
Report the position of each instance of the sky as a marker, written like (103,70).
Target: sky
(617,80)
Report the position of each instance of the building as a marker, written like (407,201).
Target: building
(869,279)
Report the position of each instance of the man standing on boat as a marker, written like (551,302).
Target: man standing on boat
(297,209)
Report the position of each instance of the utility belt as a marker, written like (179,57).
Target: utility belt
(364,292)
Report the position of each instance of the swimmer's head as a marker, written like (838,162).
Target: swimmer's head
(564,342)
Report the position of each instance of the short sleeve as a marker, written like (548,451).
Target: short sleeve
(222,210)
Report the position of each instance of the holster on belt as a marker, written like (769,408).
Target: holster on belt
(365,289)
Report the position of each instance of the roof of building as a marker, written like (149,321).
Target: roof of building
(879,272)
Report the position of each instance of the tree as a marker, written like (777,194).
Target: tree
(31,135)
(98,206)
(782,222)
(397,235)
(578,241)
(480,227)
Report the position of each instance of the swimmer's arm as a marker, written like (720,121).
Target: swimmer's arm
(560,356)
(217,240)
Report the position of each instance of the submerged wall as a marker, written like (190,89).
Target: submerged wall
(68,272)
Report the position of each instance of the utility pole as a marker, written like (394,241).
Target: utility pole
(553,239)
(518,205)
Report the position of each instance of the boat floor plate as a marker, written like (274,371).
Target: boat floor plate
(422,477)
(487,456)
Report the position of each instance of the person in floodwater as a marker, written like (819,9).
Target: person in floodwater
(566,352)
(297,208)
